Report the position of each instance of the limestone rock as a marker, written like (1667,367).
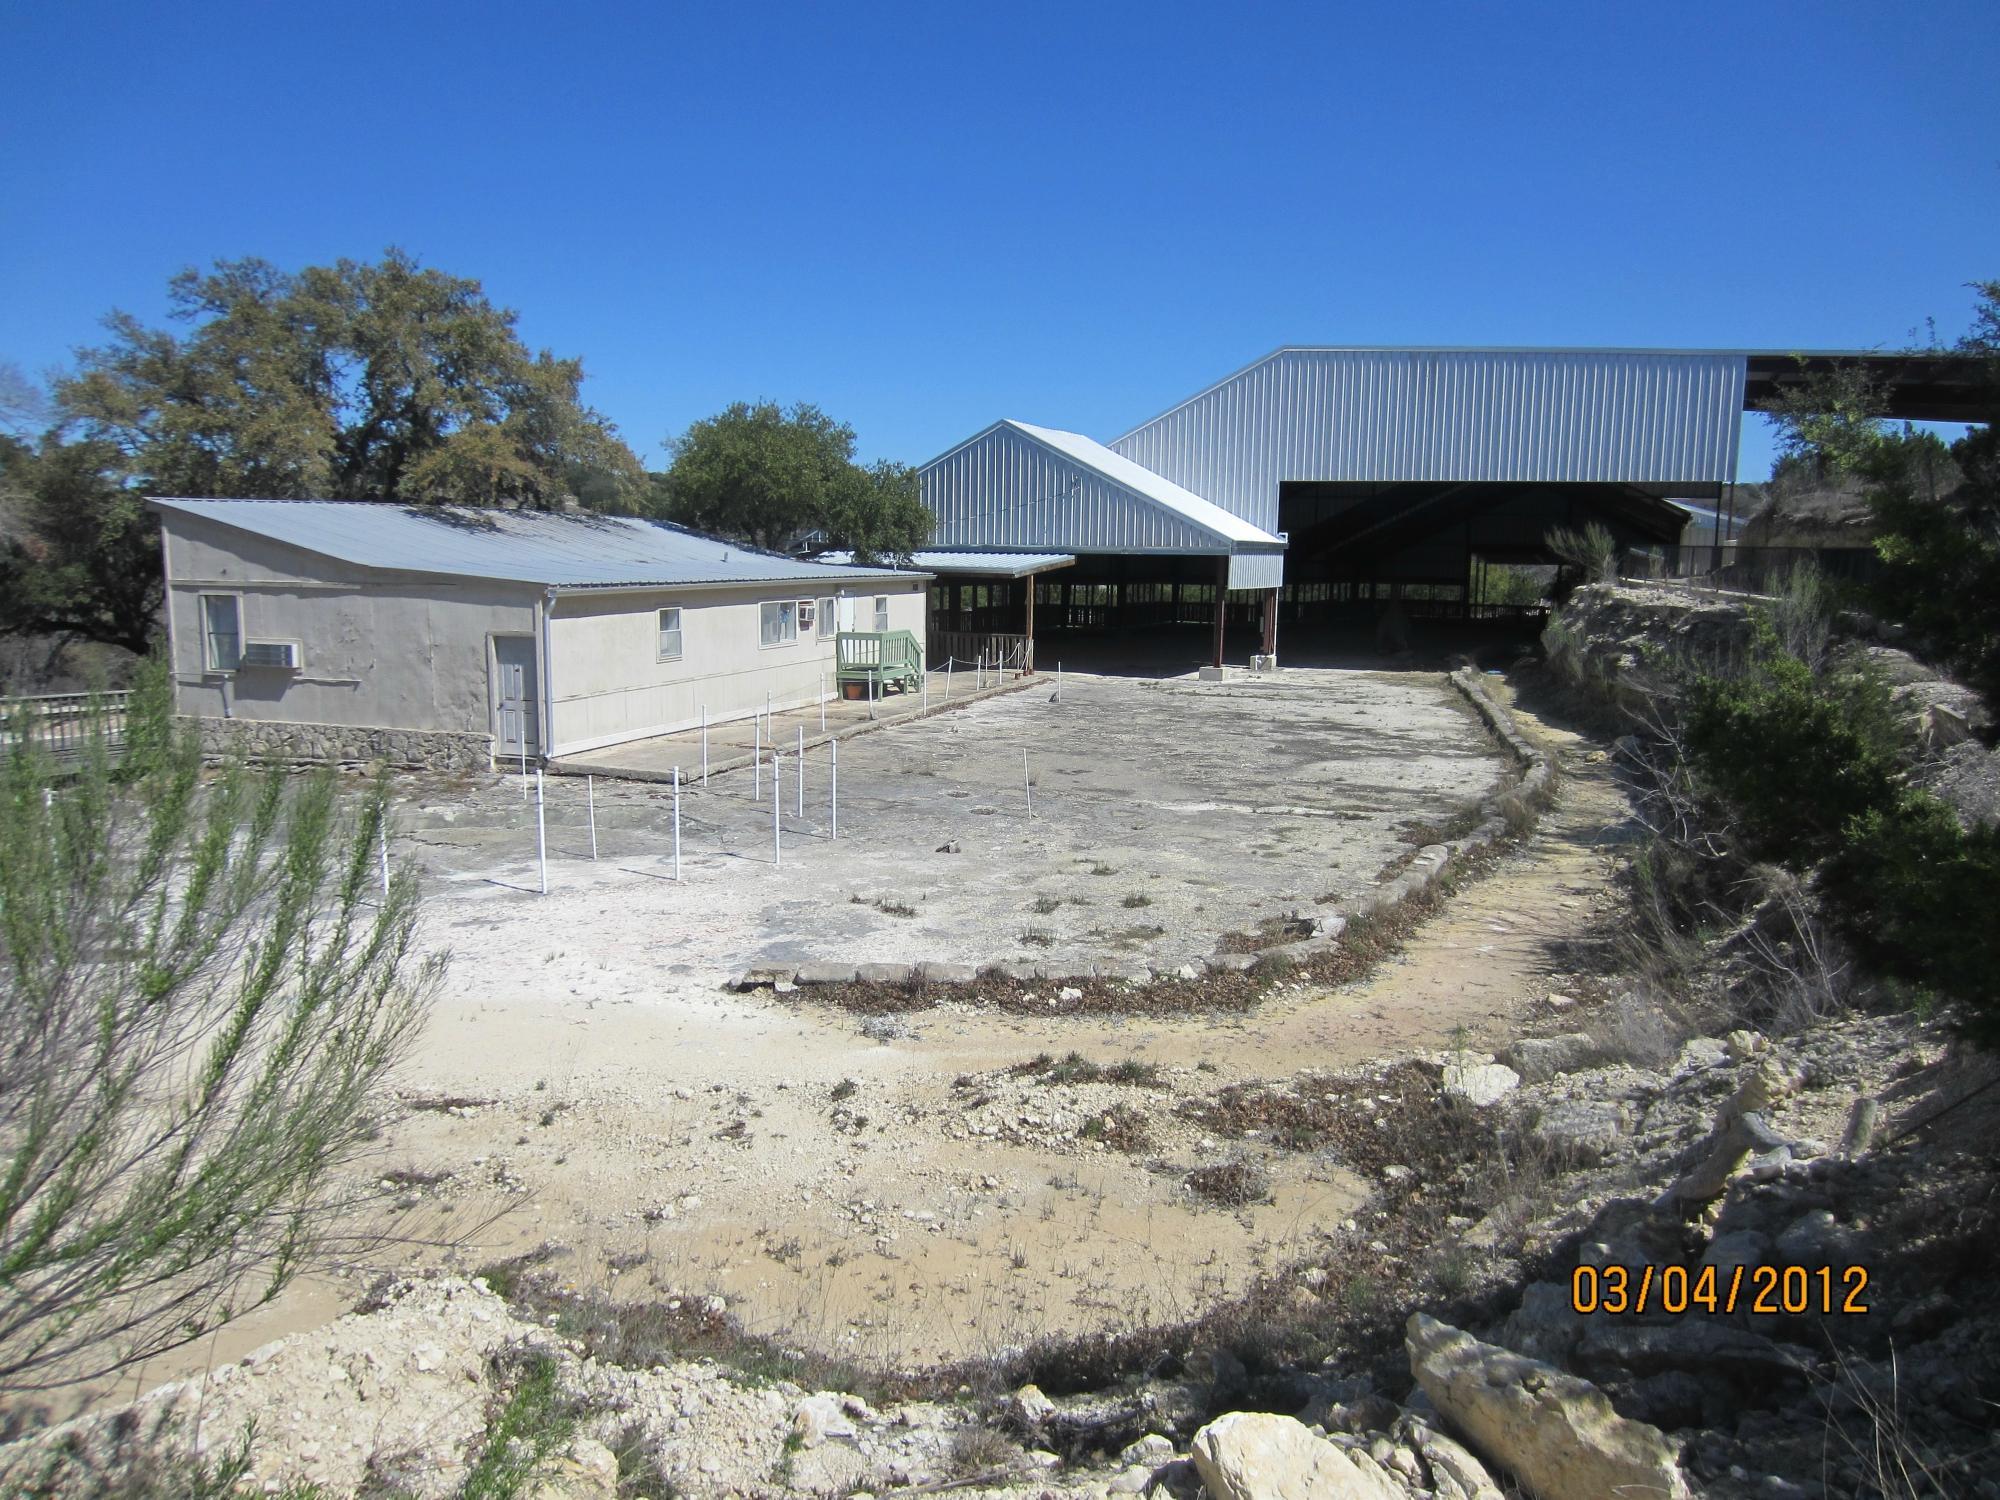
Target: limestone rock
(587,1471)
(1480,1084)
(1456,1473)
(1592,1127)
(819,1418)
(1258,1456)
(1538,1059)
(1555,1433)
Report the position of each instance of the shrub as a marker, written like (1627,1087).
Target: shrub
(202,987)
(1795,757)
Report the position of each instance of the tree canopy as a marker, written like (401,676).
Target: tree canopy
(769,475)
(1936,510)
(355,381)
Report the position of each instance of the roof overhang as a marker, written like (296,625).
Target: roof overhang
(1927,387)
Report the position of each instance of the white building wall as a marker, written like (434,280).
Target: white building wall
(375,650)
(608,684)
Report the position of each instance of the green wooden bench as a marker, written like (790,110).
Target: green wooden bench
(879,660)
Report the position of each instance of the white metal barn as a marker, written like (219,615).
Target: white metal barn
(443,637)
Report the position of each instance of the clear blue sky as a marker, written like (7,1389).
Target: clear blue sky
(926,217)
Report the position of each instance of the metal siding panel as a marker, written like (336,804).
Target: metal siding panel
(1495,415)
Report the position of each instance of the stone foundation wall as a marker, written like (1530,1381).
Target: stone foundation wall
(338,744)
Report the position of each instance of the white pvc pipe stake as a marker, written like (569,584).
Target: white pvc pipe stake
(677,822)
(524,766)
(541,831)
(822,703)
(833,784)
(756,759)
(777,810)
(590,800)
(704,744)
(1027,785)
(801,809)
(947,677)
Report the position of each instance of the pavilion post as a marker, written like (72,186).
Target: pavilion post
(1028,649)
(1270,622)
(1221,605)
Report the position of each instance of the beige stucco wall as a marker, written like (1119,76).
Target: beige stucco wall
(376,650)
(608,683)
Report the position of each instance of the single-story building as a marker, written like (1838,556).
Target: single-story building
(447,637)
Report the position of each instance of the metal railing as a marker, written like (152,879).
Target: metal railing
(62,723)
(1009,653)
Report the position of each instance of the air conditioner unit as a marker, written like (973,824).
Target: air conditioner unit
(271,654)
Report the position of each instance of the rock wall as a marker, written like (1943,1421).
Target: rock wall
(347,744)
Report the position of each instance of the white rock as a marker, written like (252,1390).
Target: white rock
(1555,1433)
(1480,1084)
(1258,1456)
(818,1418)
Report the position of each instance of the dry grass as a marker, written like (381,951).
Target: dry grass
(1230,1184)
(1076,1068)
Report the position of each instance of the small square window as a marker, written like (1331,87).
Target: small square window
(222,632)
(778,622)
(670,635)
(881,614)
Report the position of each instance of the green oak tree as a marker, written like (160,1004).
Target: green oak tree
(769,475)
(356,381)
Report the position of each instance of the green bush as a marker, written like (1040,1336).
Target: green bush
(1806,768)
(1795,757)
(1916,895)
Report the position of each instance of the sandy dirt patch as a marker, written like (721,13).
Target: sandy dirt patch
(670,1136)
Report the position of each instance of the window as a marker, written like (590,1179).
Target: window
(778,622)
(222,631)
(805,617)
(827,623)
(881,614)
(670,635)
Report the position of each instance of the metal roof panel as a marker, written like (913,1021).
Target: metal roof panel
(518,546)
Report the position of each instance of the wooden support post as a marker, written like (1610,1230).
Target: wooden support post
(1221,605)
(1028,651)
(1270,622)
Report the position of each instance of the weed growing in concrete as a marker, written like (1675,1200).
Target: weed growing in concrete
(1137,899)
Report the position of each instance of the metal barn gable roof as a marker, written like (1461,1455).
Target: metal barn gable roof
(1026,488)
(1656,417)
(517,546)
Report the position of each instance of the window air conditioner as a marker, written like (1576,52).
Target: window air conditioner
(271,654)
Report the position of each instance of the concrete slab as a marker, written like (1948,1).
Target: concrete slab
(1165,813)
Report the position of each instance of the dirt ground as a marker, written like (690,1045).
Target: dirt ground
(891,1190)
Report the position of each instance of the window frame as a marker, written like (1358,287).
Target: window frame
(881,614)
(788,617)
(801,608)
(829,617)
(209,664)
(660,634)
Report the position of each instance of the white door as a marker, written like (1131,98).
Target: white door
(516,723)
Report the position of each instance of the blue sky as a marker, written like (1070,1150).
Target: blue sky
(926,217)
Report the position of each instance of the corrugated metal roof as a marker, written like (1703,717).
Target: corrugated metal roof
(1658,417)
(1017,486)
(985,564)
(519,546)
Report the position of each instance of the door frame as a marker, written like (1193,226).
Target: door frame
(534,668)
